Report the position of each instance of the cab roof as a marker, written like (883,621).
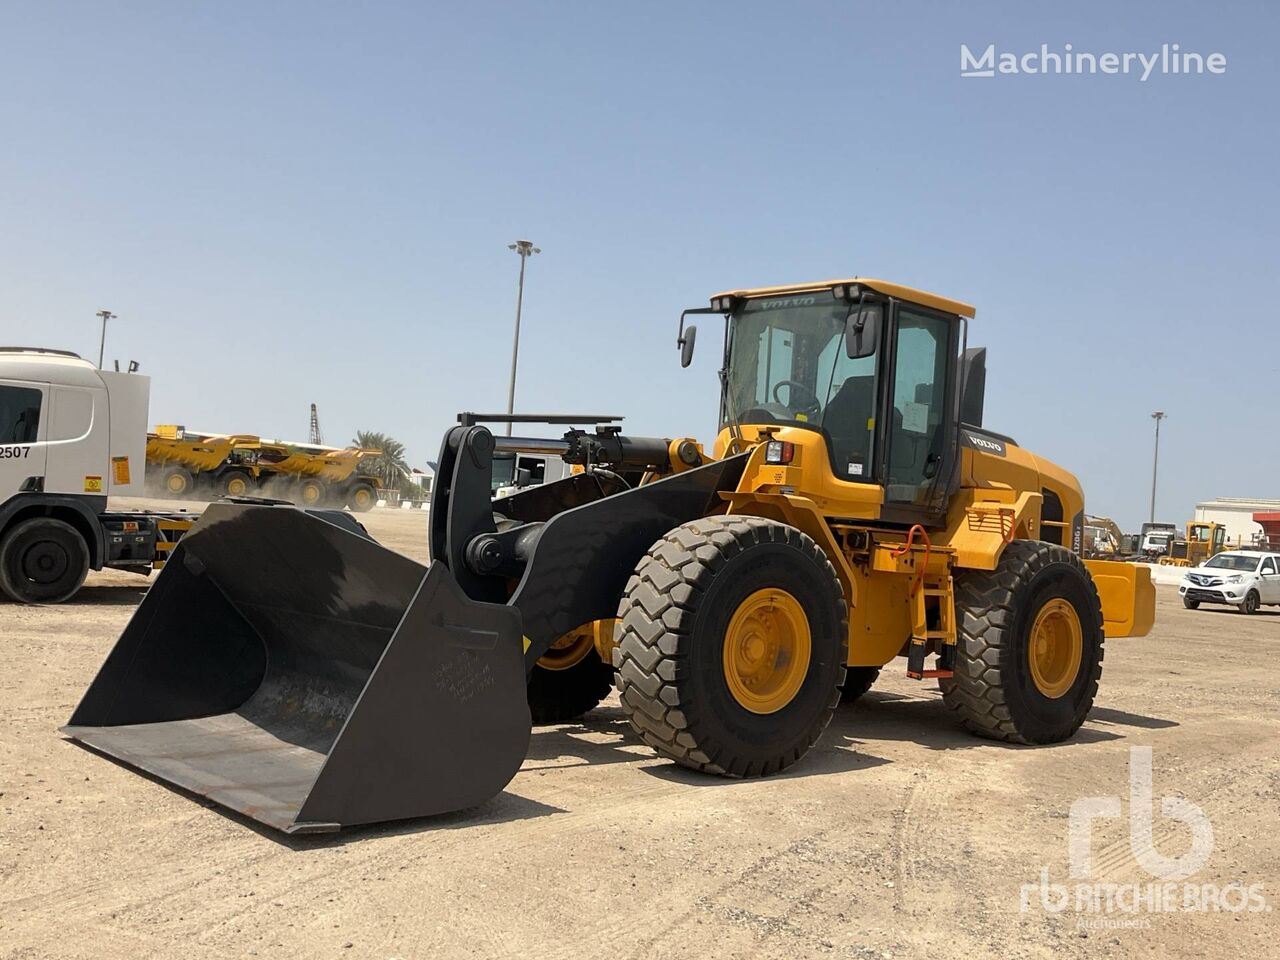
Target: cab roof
(887,287)
(47,366)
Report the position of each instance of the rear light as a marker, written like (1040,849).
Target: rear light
(779,451)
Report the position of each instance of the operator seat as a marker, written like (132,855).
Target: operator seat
(845,422)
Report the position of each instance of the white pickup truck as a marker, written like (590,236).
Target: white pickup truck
(1245,579)
(70,436)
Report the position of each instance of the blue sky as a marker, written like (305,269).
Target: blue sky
(288,203)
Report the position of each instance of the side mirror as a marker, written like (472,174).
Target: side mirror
(687,339)
(862,330)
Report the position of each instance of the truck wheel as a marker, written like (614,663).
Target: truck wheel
(857,681)
(1191,604)
(733,644)
(311,493)
(1029,646)
(568,680)
(236,483)
(43,561)
(177,482)
(1251,603)
(362,497)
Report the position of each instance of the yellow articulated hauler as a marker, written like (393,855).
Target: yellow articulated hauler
(182,462)
(853,511)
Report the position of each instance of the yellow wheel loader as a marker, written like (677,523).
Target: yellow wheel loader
(853,511)
(1202,540)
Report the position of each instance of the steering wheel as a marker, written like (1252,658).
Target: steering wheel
(808,402)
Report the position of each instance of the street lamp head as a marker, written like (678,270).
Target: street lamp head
(1158,415)
(524,247)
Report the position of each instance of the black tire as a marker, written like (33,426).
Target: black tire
(311,494)
(1251,603)
(362,497)
(993,691)
(177,482)
(558,696)
(669,657)
(236,483)
(43,560)
(1191,604)
(857,681)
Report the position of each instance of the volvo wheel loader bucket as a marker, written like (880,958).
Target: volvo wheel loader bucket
(291,669)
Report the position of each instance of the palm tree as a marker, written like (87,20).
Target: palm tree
(388,469)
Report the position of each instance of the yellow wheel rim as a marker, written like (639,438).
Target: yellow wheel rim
(569,650)
(362,498)
(237,487)
(1056,648)
(766,651)
(310,494)
(176,483)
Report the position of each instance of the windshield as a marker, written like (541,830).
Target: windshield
(504,470)
(1233,561)
(787,364)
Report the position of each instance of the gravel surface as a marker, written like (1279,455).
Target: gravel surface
(898,836)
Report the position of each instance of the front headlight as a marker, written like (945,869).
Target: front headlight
(1236,579)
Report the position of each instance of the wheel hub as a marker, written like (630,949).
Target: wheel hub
(1056,648)
(767,648)
(45,562)
(569,650)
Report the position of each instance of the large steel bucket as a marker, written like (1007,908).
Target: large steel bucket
(287,667)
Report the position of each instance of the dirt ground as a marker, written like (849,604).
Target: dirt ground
(898,836)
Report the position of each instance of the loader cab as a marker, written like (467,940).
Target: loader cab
(883,396)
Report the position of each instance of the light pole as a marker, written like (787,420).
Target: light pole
(102,344)
(1155,462)
(526,249)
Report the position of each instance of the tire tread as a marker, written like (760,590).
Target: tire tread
(657,613)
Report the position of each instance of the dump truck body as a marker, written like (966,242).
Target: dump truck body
(852,511)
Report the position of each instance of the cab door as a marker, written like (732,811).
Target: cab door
(77,440)
(918,414)
(23,452)
(1269,584)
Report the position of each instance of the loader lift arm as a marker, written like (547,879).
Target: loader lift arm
(571,559)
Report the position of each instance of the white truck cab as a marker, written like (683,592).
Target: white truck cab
(514,472)
(70,436)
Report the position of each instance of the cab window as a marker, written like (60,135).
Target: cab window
(1268,566)
(848,409)
(19,414)
(537,468)
(917,433)
(504,470)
